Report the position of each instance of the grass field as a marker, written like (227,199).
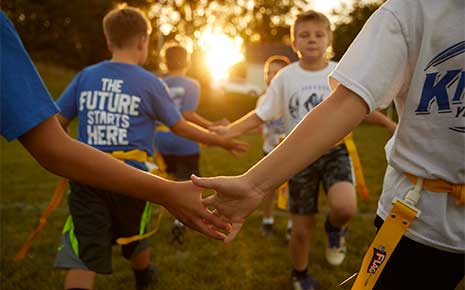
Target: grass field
(250,262)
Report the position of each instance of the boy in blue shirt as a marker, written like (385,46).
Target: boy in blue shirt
(118,103)
(22,90)
(180,154)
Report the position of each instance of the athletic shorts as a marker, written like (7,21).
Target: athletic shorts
(97,218)
(182,167)
(333,167)
(416,266)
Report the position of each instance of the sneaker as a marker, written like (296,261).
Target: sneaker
(267,229)
(178,232)
(336,245)
(305,283)
(150,280)
(288,233)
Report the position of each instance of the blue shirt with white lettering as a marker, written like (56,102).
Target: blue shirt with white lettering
(185,93)
(118,105)
(24,100)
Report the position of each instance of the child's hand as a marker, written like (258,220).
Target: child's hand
(219,129)
(222,122)
(185,203)
(235,199)
(235,146)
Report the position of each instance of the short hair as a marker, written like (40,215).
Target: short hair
(281,59)
(175,56)
(311,15)
(122,24)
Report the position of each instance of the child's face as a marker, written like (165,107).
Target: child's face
(311,40)
(273,69)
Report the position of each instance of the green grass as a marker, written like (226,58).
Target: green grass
(250,262)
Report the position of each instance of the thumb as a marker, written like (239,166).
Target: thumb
(203,182)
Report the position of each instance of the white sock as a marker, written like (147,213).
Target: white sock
(289,224)
(268,221)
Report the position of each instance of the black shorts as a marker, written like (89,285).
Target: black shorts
(416,266)
(334,166)
(182,166)
(97,219)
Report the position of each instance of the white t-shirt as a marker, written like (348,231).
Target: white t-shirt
(293,92)
(273,132)
(413,52)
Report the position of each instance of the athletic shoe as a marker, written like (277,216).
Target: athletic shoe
(267,229)
(148,281)
(178,232)
(288,233)
(305,283)
(336,245)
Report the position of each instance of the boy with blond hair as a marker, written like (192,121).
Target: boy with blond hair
(118,104)
(295,91)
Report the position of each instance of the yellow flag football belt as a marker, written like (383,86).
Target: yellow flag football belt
(396,223)
(137,155)
(141,156)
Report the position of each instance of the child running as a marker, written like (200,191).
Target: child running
(117,103)
(296,90)
(273,132)
(180,154)
(22,90)
(412,52)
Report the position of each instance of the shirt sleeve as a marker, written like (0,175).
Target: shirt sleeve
(271,104)
(191,101)
(25,102)
(374,65)
(163,107)
(67,102)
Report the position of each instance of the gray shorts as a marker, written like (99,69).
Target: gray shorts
(333,167)
(97,219)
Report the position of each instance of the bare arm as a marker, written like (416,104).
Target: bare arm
(380,119)
(237,197)
(241,126)
(199,134)
(195,118)
(49,144)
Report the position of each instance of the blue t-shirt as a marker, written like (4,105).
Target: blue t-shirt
(185,93)
(117,105)
(24,100)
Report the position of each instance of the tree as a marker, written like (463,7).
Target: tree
(351,21)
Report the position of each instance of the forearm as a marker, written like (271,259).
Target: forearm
(64,156)
(380,119)
(195,118)
(196,133)
(322,128)
(245,124)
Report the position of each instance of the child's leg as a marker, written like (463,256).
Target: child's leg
(79,279)
(268,205)
(342,204)
(299,245)
(303,206)
(141,260)
(338,183)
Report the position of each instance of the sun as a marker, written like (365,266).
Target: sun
(222,52)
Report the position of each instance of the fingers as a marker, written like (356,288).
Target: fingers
(208,230)
(236,228)
(215,219)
